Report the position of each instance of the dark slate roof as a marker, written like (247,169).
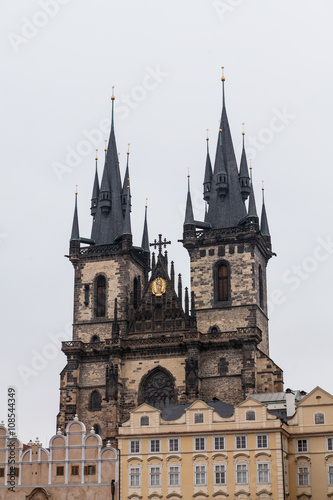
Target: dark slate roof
(127,219)
(243,169)
(95,192)
(176,411)
(252,212)
(208,170)
(106,228)
(229,210)
(264,229)
(189,219)
(145,238)
(75,227)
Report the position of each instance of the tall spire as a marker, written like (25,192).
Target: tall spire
(244,179)
(125,184)
(207,183)
(264,229)
(75,235)
(189,219)
(127,219)
(226,206)
(145,238)
(108,224)
(95,192)
(252,211)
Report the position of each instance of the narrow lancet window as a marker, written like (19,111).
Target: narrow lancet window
(222,282)
(100,297)
(261,289)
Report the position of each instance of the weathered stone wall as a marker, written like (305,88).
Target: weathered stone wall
(244,261)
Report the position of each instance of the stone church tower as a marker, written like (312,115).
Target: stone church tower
(135,338)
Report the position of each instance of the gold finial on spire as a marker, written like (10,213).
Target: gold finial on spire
(112,97)
(223,77)
(188,172)
(128,151)
(146,205)
(262,186)
(105,148)
(220,129)
(96,155)
(119,158)
(207,130)
(76,189)
(243,133)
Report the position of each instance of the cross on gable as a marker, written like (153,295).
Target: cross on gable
(160,244)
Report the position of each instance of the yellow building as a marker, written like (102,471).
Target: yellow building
(208,451)
(75,467)
(213,450)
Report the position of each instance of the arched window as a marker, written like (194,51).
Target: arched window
(144,420)
(97,429)
(95,401)
(222,283)
(261,289)
(157,389)
(100,296)
(95,338)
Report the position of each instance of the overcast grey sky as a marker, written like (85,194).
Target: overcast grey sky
(60,59)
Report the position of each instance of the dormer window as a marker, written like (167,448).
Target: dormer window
(198,418)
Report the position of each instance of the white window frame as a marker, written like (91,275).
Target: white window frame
(239,437)
(169,474)
(257,441)
(214,444)
(178,441)
(137,475)
(322,415)
(200,416)
(160,446)
(205,443)
(220,472)
(268,470)
(130,446)
(303,441)
(329,446)
(246,472)
(204,466)
(159,475)
(330,483)
(299,467)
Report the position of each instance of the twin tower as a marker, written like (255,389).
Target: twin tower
(137,335)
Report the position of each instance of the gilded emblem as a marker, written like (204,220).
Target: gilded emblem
(158,286)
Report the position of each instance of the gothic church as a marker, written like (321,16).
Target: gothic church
(137,335)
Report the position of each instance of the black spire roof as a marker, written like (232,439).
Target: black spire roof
(75,235)
(226,206)
(145,238)
(244,178)
(264,229)
(189,219)
(108,223)
(252,211)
